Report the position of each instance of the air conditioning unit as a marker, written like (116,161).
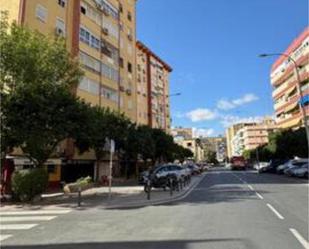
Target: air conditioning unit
(59,31)
(130,37)
(121,88)
(105,31)
(129,91)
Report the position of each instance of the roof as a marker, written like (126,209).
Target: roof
(145,49)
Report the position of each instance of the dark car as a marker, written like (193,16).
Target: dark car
(273,164)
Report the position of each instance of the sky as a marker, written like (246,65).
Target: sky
(213,47)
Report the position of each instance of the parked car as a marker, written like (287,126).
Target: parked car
(160,175)
(285,168)
(302,171)
(238,163)
(272,166)
(260,166)
(195,170)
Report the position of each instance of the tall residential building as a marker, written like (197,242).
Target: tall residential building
(152,89)
(252,136)
(284,81)
(102,35)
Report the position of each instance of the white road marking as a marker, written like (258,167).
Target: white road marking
(249,186)
(275,211)
(300,238)
(5,236)
(64,211)
(26,218)
(16,226)
(258,195)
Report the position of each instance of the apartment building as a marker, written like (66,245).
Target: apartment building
(230,133)
(102,35)
(186,133)
(252,136)
(286,93)
(152,89)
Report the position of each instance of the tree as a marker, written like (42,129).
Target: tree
(30,58)
(39,119)
(211,157)
(163,145)
(36,77)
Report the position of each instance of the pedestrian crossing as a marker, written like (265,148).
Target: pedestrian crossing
(14,221)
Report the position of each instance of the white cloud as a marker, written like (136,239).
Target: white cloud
(225,104)
(228,120)
(201,132)
(201,114)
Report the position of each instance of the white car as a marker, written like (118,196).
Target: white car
(301,171)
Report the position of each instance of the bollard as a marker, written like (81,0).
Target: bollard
(171,186)
(148,189)
(79,199)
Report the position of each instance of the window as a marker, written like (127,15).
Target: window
(41,13)
(129,67)
(60,27)
(110,51)
(62,3)
(129,16)
(113,30)
(88,38)
(120,8)
(109,9)
(89,85)
(109,94)
(109,72)
(121,62)
(90,62)
(83,8)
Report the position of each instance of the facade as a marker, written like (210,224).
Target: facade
(284,81)
(230,133)
(186,133)
(253,136)
(152,89)
(215,144)
(101,35)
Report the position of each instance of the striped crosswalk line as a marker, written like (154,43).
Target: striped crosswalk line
(5,236)
(26,218)
(11,221)
(16,226)
(36,212)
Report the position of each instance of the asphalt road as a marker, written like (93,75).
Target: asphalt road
(226,210)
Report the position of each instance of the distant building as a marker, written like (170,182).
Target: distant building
(252,136)
(184,137)
(284,81)
(215,144)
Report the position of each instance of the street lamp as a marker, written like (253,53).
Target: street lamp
(174,94)
(298,86)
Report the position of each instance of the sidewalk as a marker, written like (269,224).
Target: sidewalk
(122,197)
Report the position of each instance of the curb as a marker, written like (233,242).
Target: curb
(157,202)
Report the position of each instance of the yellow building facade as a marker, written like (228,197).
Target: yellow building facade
(102,35)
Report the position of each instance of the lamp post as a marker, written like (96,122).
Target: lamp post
(298,87)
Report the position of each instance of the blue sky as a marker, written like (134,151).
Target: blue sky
(212,46)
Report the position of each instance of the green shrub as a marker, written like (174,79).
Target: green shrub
(26,184)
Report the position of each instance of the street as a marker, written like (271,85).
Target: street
(227,209)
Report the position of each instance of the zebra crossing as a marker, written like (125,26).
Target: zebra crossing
(13,221)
